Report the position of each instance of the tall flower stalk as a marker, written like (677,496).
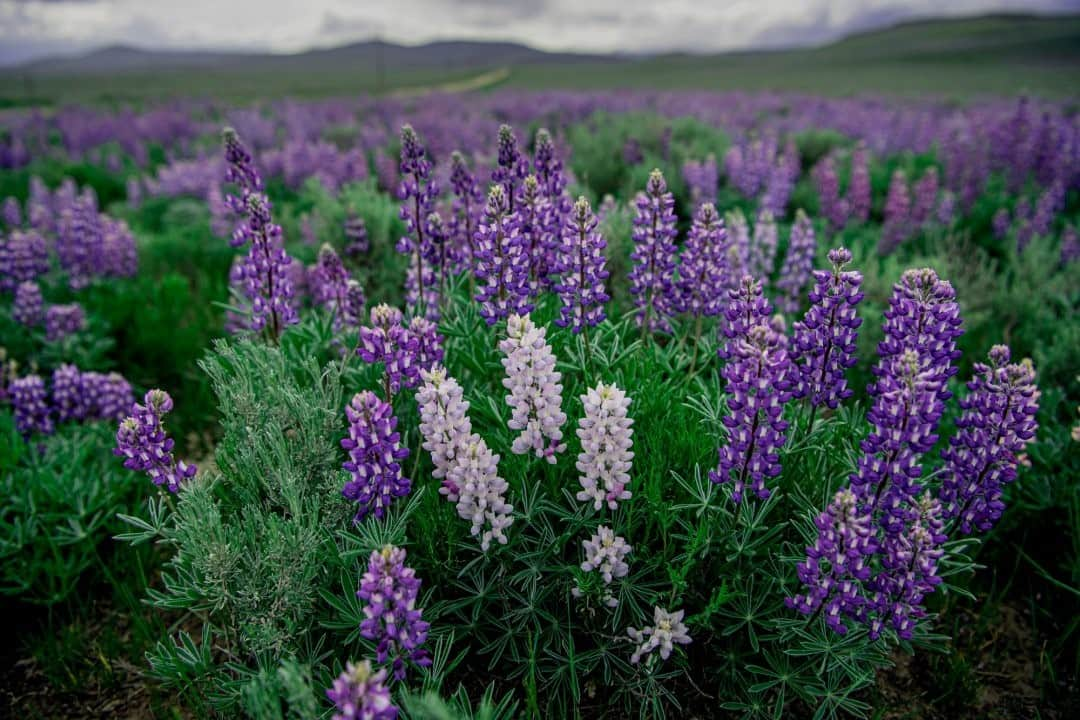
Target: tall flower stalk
(417,193)
(582,272)
(535,388)
(654,256)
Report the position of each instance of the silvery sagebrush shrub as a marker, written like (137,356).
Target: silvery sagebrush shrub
(634,575)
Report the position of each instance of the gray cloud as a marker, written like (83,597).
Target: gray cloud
(32,28)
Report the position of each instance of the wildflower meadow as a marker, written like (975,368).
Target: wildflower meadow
(565,403)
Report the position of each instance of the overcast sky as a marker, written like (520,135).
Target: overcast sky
(32,28)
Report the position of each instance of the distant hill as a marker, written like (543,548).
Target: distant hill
(993,54)
(453,54)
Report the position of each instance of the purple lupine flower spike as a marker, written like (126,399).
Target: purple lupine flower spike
(534,212)
(357,242)
(388,342)
(654,256)
(502,263)
(31,406)
(29,306)
(374,456)
(798,263)
(360,693)
(758,375)
(63,320)
(512,166)
(69,396)
(142,442)
(840,553)
(468,208)
(746,307)
(823,343)
(390,590)
(418,192)
(909,573)
(859,191)
(997,421)
(582,270)
(24,256)
(702,263)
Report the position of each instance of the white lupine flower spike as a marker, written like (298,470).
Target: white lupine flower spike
(535,388)
(482,493)
(606,441)
(665,633)
(444,423)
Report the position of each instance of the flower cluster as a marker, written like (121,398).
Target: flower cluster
(654,255)
(702,264)
(375,456)
(24,256)
(702,177)
(997,420)
(534,212)
(897,225)
(31,406)
(142,442)
(798,263)
(356,236)
(840,553)
(402,350)
(512,168)
(606,440)
(582,270)
(359,693)
(444,422)
(667,631)
(747,307)
(605,553)
(501,261)
(473,483)
(823,343)
(758,377)
(535,388)
(417,194)
(29,306)
(63,320)
(467,207)
(391,618)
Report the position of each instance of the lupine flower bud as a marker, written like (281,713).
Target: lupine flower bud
(582,269)
(605,553)
(374,456)
(758,375)
(700,285)
(535,388)
(63,320)
(838,558)
(654,255)
(391,618)
(444,423)
(746,307)
(359,693)
(997,421)
(31,406)
(513,167)
(142,442)
(666,631)
(606,440)
(798,263)
(481,494)
(823,344)
(29,306)
(386,341)
(502,263)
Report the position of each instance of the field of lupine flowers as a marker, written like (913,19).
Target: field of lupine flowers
(563,404)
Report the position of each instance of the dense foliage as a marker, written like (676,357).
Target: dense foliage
(647,416)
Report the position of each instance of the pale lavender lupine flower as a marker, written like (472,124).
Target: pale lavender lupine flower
(444,423)
(798,263)
(474,475)
(667,631)
(535,388)
(606,440)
